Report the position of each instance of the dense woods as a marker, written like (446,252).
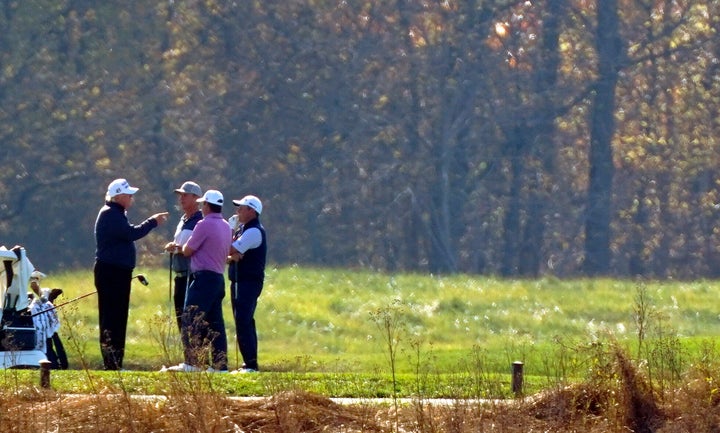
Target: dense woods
(512,138)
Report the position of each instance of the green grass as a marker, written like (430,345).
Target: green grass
(350,385)
(448,330)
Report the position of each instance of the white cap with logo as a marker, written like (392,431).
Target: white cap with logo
(212,196)
(120,186)
(251,201)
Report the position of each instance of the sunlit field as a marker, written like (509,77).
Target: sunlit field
(323,320)
(598,356)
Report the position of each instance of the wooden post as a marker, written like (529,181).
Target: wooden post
(517,378)
(45,373)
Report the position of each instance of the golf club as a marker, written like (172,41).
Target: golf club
(170,280)
(140,277)
(64,303)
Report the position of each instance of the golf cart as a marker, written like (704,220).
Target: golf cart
(20,342)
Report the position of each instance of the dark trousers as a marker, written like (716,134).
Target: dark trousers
(202,321)
(244,299)
(113,292)
(181,285)
(56,353)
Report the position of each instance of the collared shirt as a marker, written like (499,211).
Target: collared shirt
(254,249)
(210,242)
(183,231)
(250,238)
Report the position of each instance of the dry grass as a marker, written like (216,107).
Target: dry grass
(39,411)
(617,397)
(621,400)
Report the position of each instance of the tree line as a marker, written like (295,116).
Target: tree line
(509,138)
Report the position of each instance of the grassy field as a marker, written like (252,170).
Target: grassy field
(451,330)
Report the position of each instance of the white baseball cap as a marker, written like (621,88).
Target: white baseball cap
(212,196)
(250,201)
(120,186)
(37,275)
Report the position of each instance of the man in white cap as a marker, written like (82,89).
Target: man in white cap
(187,195)
(202,319)
(246,271)
(115,258)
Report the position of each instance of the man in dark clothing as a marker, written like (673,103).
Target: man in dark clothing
(247,273)
(187,194)
(114,263)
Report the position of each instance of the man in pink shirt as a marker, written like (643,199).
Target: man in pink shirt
(203,325)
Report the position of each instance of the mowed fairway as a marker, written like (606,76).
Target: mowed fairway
(333,320)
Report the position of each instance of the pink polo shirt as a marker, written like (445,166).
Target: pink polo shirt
(210,241)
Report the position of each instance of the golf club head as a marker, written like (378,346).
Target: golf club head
(54,293)
(142,279)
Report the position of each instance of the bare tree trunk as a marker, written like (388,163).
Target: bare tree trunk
(602,128)
(542,142)
(511,222)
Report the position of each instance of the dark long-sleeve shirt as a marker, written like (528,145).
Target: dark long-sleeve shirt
(115,237)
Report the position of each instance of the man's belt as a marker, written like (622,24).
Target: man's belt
(181,274)
(198,273)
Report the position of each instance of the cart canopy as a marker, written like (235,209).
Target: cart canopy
(14,279)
